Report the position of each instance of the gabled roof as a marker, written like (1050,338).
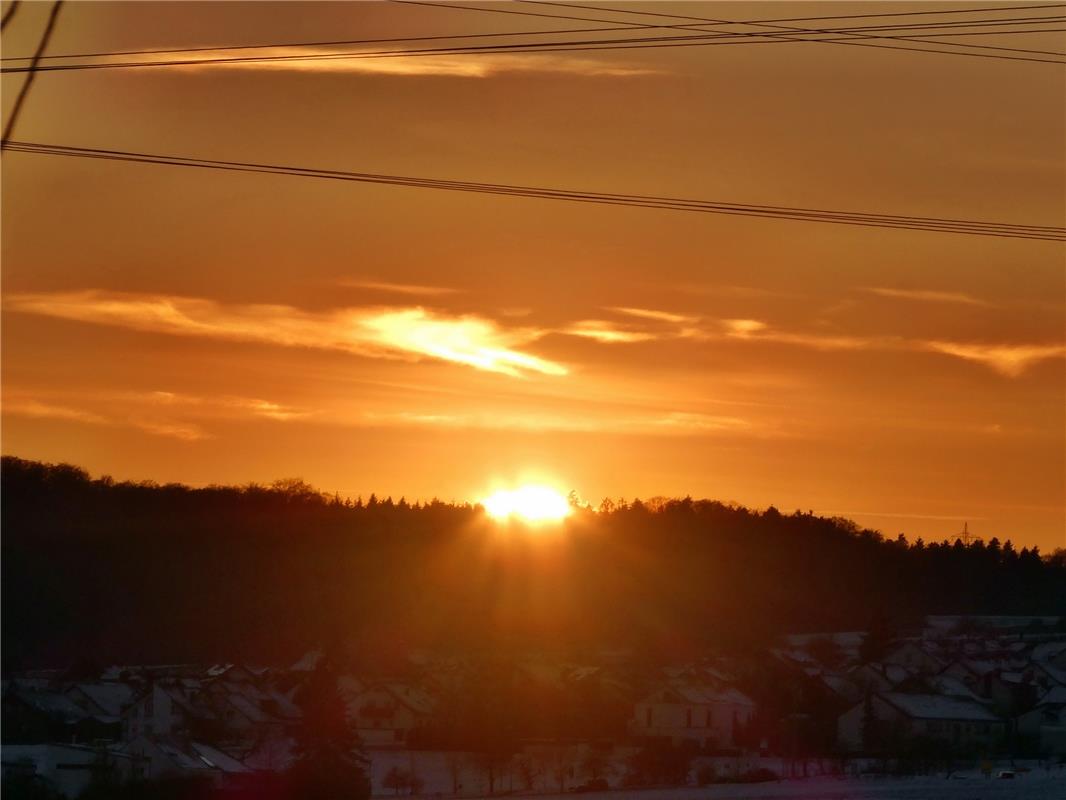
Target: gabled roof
(1045,651)
(939,707)
(308,661)
(950,686)
(216,759)
(412,697)
(109,697)
(700,695)
(1055,696)
(55,705)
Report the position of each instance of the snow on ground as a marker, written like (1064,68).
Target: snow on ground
(1031,786)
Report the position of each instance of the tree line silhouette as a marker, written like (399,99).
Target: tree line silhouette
(141,572)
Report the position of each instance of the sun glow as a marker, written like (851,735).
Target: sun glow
(529,503)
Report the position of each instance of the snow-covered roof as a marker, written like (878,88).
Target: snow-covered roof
(414,698)
(705,695)
(216,759)
(308,661)
(935,706)
(951,686)
(1057,674)
(53,704)
(1045,651)
(1054,696)
(110,697)
(838,684)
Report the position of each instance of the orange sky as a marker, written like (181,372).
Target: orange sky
(181,324)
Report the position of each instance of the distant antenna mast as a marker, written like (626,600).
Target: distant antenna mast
(966,537)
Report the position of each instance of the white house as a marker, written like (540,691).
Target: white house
(955,720)
(384,714)
(1045,723)
(702,715)
(159,711)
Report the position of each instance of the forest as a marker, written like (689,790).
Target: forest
(124,572)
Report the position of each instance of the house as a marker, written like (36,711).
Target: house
(1045,724)
(32,716)
(171,757)
(67,768)
(703,715)
(876,677)
(914,658)
(385,714)
(108,698)
(162,711)
(897,717)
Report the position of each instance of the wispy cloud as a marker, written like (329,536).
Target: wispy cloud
(37,410)
(253,406)
(396,288)
(176,430)
(160,427)
(654,314)
(389,332)
(467,65)
(606,332)
(652,422)
(693,422)
(925,295)
(1009,360)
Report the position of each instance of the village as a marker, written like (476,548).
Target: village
(984,694)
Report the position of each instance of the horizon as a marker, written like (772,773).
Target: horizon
(572,496)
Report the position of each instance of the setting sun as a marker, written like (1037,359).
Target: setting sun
(528,503)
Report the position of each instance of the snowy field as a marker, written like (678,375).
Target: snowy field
(1044,786)
(442,773)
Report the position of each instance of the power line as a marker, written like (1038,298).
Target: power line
(791,30)
(622,26)
(746,36)
(765,25)
(336,43)
(906,13)
(548,47)
(11,9)
(932,224)
(26,84)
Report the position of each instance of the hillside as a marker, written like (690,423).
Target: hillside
(149,573)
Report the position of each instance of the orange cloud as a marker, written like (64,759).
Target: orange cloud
(467,65)
(396,288)
(650,422)
(1009,360)
(653,314)
(606,333)
(375,332)
(253,405)
(926,296)
(38,410)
